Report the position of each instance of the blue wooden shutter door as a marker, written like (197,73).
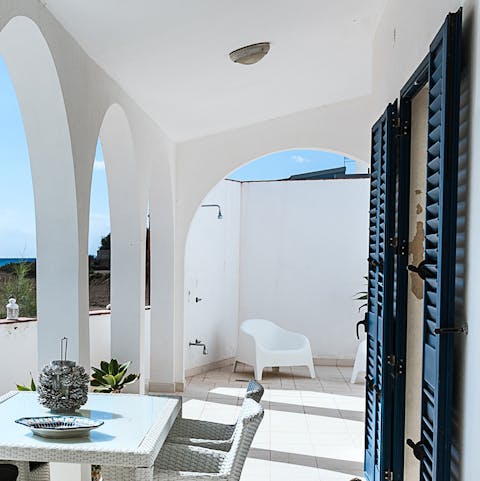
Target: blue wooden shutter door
(379,386)
(440,231)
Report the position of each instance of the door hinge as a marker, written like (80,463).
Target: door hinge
(402,127)
(397,364)
(399,246)
(374,263)
(389,475)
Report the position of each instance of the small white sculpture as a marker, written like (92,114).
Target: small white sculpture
(12,309)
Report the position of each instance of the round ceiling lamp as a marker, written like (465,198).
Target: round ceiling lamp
(250,54)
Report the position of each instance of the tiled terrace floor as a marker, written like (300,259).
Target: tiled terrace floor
(312,429)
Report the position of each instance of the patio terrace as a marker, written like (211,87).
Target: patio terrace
(154,82)
(313,429)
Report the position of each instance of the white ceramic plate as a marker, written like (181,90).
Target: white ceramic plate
(60,427)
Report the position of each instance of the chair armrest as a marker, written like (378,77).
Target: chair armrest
(192,428)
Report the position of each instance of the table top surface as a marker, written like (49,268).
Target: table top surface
(133,425)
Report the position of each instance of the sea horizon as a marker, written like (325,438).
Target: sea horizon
(15,260)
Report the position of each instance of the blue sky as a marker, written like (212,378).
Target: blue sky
(17,213)
(282,165)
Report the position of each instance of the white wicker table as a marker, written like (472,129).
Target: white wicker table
(135,428)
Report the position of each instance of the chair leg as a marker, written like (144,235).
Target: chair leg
(258,372)
(311,370)
(8,472)
(234,365)
(360,361)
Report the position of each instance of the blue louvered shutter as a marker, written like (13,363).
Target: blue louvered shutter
(440,232)
(379,385)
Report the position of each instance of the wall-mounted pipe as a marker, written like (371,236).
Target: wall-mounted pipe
(220,215)
(199,343)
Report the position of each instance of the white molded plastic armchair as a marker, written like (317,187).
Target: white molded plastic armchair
(262,343)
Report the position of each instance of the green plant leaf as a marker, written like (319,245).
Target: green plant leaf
(21,387)
(109,379)
(98,372)
(119,377)
(131,378)
(104,367)
(123,367)
(98,377)
(95,383)
(103,389)
(113,367)
(33,387)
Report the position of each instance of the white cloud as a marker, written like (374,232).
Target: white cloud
(299,159)
(99,165)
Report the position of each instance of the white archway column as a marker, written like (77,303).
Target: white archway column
(162,330)
(128,232)
(40,97)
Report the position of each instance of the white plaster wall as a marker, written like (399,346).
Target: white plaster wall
(292,252)
(212,274)
(100,341)
(18,354)
(304,251)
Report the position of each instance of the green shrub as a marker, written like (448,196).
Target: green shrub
(20,286)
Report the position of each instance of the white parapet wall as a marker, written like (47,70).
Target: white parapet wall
(18,348)
(18,353)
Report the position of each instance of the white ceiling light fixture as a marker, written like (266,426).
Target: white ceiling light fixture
(250,54)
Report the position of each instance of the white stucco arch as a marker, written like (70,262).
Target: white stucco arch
(206,194)
(34,75)
(128,232)
(202,163)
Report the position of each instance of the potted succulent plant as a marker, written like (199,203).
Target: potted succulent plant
(112,377)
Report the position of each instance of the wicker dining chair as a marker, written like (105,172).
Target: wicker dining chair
(179,462)
(210,434)
(28,471)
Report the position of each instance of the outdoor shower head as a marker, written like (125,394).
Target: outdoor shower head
(220,215)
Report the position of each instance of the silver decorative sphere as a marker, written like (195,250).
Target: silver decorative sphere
(63,386)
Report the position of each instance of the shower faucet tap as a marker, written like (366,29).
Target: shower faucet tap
(199,343)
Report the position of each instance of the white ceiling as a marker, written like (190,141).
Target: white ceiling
(172,56)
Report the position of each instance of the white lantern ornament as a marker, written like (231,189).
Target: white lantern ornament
(12,309)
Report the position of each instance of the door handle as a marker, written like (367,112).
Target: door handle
(361,323)
(422,270)
(198,299)
(418,450)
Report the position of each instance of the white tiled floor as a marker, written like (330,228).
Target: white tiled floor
(312,429)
